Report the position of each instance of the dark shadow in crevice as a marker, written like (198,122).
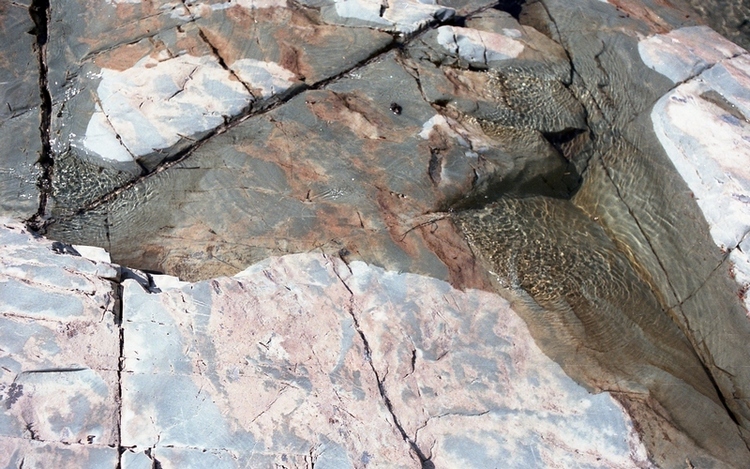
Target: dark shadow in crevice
(513,7)
(39,12)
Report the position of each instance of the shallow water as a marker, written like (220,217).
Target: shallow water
(581,291)
(590,311)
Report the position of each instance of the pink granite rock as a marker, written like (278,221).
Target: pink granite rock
(303,358)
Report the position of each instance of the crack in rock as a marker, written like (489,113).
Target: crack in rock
(424,460)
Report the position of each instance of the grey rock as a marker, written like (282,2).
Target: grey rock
(59,354)
(20,114)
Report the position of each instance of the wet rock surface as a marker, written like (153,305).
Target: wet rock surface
(562,153)
(591,312)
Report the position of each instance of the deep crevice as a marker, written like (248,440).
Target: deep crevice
(513,7)
(39,11)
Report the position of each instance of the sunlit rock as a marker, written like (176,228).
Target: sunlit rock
(196,138)
(243,375)
(59,355)
(403,16)
(230,370)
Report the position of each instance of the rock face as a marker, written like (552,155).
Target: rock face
(60,356)
(583,158)
(230,372)
(20,114)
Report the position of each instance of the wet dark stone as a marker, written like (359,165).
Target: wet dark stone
(589,310)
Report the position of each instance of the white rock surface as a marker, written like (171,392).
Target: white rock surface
(296,361)
(403,16)
(686,52)
(152,104)
(703,124)
(477,46)
(59,354)
(290,329)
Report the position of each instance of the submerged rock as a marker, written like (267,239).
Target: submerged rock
(589,310)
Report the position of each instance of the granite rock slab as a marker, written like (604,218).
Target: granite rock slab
(287,179)
(149,93)
(59,354)
(379,380)
(298,360)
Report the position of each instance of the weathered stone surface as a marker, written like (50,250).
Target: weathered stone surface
(59,354)
(199,137)
(305,360)
(279,197)
(467,386)
(147,95)
(243,376)
(40,455)
(19,113)
(728,18)
(275,388)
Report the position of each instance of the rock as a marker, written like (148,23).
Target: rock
(727,18)
(229,371)
(708,151)
(280,198)
(589,310)
(59,356)
(389,359)
(197,138)
(127,105)
(403,16)
(20,115)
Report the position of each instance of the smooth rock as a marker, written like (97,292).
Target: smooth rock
(709,151)
(686,52)
(20,114)
(278,197)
